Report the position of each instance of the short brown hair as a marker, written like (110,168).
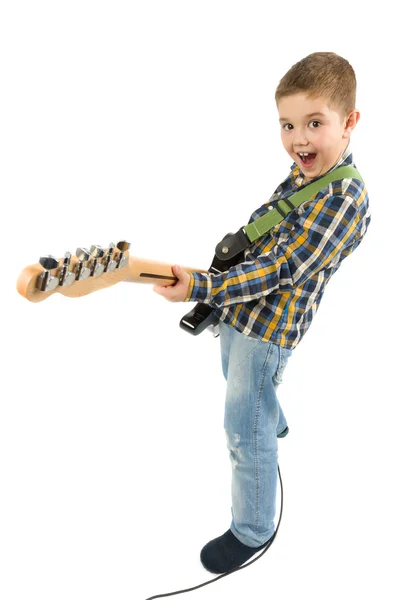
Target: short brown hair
(322,74)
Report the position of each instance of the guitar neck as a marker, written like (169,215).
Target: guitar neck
(143,270)
(137,270)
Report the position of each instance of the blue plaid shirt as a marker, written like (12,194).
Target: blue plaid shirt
(275,292)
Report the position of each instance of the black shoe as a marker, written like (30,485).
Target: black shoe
(225,553)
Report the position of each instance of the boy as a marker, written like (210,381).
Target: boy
(266,303)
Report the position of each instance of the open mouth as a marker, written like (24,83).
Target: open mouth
(307,159)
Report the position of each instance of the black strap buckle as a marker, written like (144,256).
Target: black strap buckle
(290,204)
(280,211)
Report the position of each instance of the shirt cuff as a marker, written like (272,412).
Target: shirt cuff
(200,288)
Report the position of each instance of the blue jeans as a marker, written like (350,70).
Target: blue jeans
(253,417)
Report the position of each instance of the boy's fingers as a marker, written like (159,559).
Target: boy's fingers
(177,271)
(177,291)
(180,273)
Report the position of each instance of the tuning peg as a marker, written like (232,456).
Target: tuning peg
(47,282)
(66,276)
(97,267)
(109,263)
(122,260)
(82,272)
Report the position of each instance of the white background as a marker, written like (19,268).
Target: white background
(155,122)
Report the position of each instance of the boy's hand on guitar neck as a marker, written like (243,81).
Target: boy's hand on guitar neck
(178,291)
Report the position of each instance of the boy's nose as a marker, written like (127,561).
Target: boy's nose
(299,138)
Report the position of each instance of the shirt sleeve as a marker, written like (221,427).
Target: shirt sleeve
(319,234)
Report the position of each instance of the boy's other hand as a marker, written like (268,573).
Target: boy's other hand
(178,291)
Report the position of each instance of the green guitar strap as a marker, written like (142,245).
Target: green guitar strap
(263,224)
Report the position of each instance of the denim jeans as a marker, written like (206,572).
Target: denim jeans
(253,417)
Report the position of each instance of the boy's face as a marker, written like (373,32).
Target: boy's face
(324,135)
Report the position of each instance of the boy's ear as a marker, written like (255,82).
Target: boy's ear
(351,121)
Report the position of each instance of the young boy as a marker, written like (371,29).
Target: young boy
(266,303)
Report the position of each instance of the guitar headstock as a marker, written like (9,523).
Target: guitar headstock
(75,275)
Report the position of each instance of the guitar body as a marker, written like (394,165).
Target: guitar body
(203,315)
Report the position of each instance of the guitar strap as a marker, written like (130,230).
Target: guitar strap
(232,244)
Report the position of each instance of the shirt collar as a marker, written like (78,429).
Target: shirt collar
(297,176)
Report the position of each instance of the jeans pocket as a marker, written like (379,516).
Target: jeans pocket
(284,355)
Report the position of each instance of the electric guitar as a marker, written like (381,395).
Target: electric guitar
(90,270)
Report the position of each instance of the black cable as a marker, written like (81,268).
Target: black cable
(268,544)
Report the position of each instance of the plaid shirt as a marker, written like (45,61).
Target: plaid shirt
(275,292)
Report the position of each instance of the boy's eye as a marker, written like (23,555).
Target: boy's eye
(316,123)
